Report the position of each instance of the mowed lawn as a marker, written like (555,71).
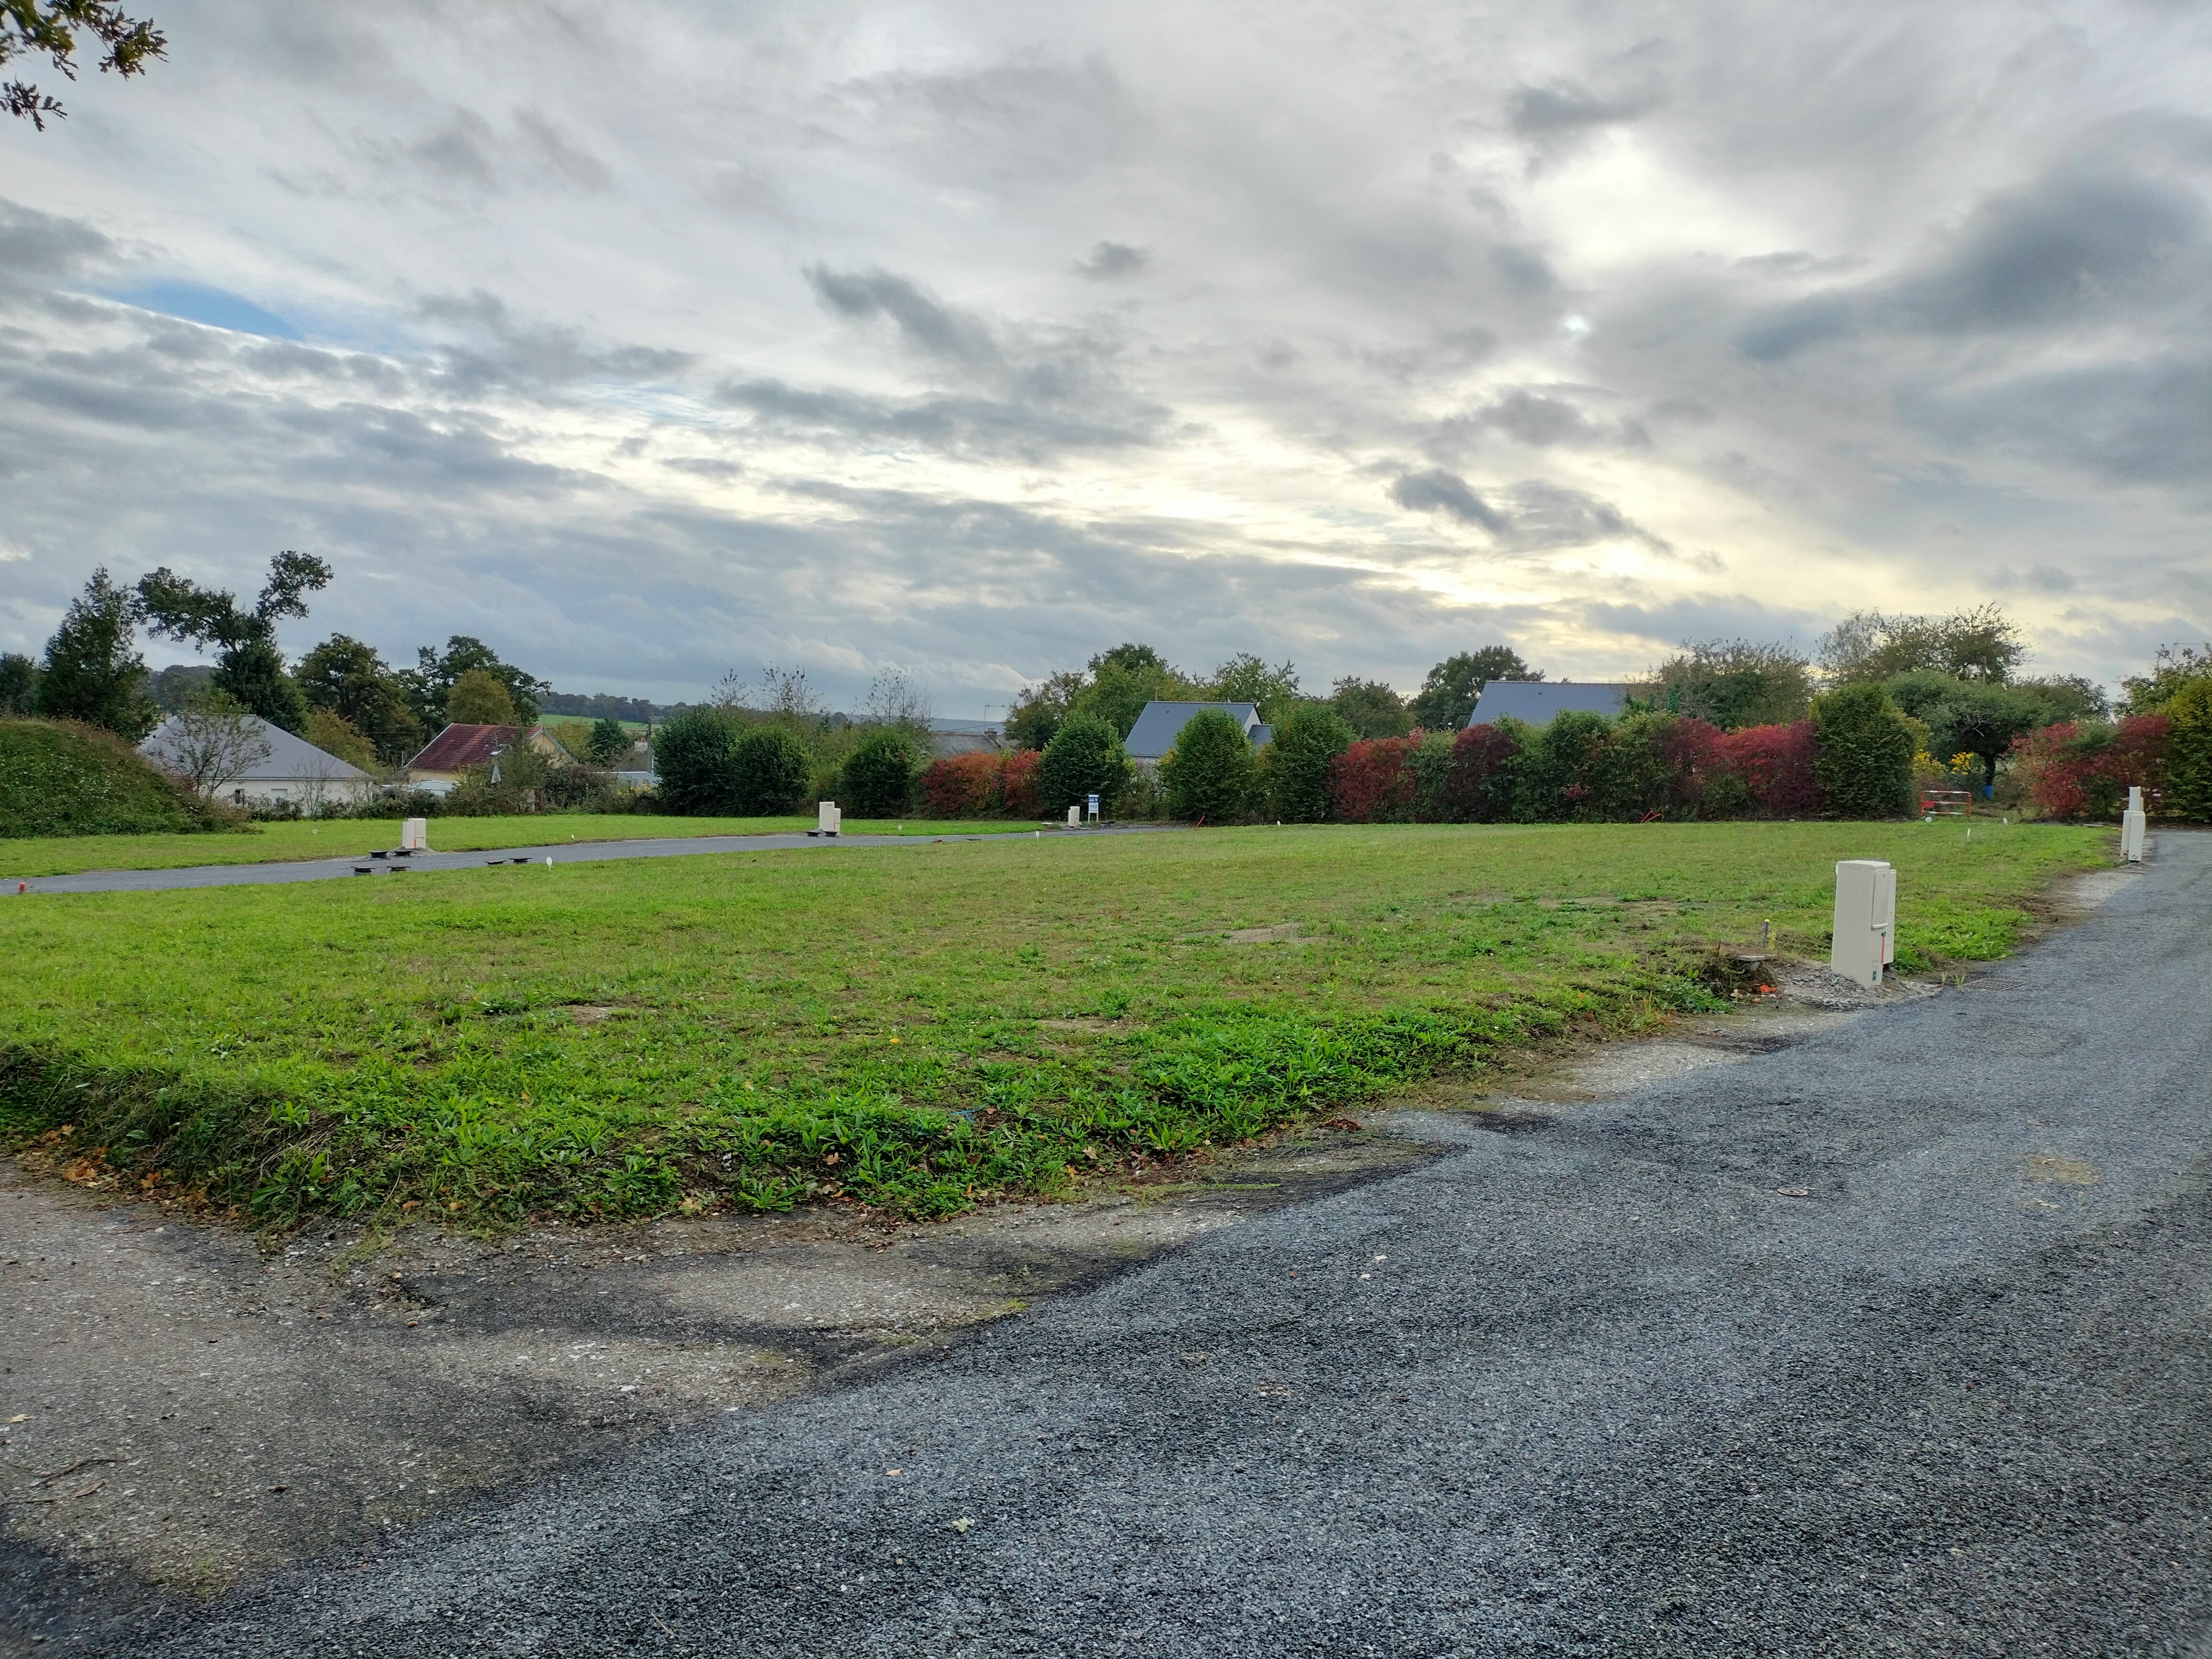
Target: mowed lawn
(340,838)
(918,1029)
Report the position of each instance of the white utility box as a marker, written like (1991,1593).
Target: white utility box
(1866,920)
(2135,823)
(414,836)
(828,818)
(1075,818)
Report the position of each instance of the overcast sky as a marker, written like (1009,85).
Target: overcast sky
(651,341)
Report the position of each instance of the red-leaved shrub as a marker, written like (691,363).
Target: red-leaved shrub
(1017,783)
(2072,771)
(1480,789)
(962,787)
(1371,782)
(1773,770)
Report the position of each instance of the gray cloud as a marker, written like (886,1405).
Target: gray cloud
(1531,515)
(35,244)
(1566,109)
(1114,261)
(2081,243)
(925,323)
(1439,491)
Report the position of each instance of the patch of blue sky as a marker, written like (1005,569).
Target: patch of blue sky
(216,308)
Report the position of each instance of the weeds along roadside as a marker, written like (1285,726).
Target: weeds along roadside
(248,1083)
(1210,1079)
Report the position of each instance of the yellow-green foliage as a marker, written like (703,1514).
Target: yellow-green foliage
(914,1027)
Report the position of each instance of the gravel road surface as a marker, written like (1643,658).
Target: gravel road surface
(573,852)
(1894,1340)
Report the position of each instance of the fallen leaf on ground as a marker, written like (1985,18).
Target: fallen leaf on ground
(1794,1191)
(962,1524)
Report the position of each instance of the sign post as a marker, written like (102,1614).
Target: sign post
(1094,809)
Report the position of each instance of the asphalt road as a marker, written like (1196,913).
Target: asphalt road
(573,852)
(1896,1340)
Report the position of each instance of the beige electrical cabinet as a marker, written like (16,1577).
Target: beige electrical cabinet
(1865,938)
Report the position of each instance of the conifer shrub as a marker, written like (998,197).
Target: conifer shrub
(1084,758)
(1863,750)
(772,774)
(879,776)
(1208,775)
(696,755)
(1296,765)
(2189,752)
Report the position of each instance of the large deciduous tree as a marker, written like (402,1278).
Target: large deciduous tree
(1370,708)
(1447,696)
(1869,647)
(344,677)
(431,681)
(1733,684)
(250,668)
(1248,678)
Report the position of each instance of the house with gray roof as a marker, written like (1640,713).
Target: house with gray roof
(1535,702)
(295,774)
(1162,723)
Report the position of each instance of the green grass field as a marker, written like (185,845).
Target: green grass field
(918,1029)
(278,843)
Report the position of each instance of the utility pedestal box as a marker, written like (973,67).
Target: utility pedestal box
(1866,920)
(2135,823)
(414,836)
(1075,818)
(828,818)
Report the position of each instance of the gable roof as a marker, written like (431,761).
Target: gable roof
(460,746)
(1162,723)
(1536,701)
(290,759)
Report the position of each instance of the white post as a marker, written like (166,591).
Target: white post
(414,836)
(1866,918)
(1075,818)
(2133,824)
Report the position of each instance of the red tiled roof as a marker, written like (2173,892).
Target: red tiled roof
(459,746)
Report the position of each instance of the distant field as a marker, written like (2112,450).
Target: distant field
(919,1030)
(278,843)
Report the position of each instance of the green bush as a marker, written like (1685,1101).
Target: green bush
(695,754)
(1208,774)
(2189,762)
(774,772)
(1296,765)
(1084,758)
(1863,750)
(878,778)
(62,779)
(1555,779)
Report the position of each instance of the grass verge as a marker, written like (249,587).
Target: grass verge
(918,1032)
(342,838)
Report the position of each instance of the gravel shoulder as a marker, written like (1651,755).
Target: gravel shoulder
(1806,1331)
